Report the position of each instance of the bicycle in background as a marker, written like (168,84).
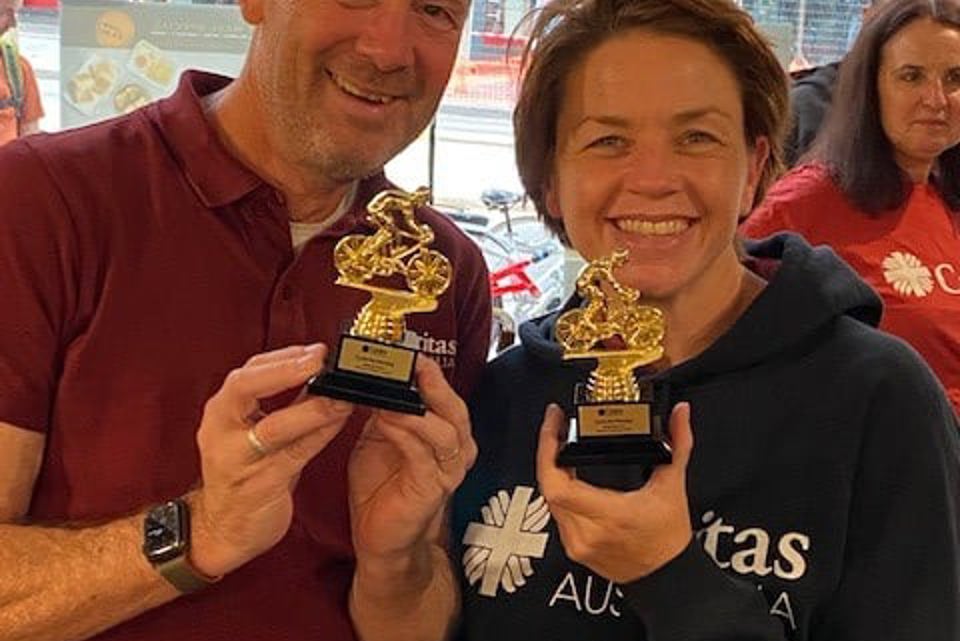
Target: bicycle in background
(525,261)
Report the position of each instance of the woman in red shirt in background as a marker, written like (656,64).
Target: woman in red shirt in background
(882,183)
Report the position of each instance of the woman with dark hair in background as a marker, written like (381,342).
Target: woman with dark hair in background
(883,183)
(820,499)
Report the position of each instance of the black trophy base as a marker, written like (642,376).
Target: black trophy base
(617,444)
(368,390)
(614,450)
(618,464)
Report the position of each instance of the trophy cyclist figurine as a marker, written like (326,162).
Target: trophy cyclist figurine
(372,366)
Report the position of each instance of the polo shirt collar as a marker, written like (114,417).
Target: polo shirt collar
(356,211)
(217,176)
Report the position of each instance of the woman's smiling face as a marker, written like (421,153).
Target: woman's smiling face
(652,157)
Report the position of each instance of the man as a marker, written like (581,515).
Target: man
(145,260)
(20,107)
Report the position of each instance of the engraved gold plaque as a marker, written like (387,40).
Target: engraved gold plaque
(372,366)
(377,359)
(613,420)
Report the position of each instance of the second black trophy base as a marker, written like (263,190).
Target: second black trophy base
(622,464)
(614,451)
(366,390)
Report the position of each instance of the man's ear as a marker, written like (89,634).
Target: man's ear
(252,11)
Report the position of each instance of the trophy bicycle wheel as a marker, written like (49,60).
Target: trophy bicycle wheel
(646,330)
(352,260)
(569,332)
(428,273)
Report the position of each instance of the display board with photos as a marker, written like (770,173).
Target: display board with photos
(118,56)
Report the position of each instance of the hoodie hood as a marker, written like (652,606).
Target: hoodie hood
(809,288)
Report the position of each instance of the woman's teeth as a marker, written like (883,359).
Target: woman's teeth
(649,228)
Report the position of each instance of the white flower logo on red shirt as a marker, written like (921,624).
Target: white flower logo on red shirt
(907,275)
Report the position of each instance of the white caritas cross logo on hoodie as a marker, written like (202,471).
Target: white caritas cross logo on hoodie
(499,550)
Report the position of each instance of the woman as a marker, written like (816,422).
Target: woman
(820,500)
(882,185)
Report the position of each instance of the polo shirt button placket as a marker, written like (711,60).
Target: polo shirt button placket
(285,318)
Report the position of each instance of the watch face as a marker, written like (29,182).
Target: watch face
(163,532)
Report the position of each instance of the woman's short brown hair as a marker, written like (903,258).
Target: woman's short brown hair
(564,31)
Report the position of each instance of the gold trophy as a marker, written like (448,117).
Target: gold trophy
(372,366)
(618,419)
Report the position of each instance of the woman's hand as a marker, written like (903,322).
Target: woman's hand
(622,536)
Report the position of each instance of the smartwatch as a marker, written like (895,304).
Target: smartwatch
(166,543)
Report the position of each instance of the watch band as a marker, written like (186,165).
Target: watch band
(166,544)
(183,576)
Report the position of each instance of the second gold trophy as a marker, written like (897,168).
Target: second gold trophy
(618,418)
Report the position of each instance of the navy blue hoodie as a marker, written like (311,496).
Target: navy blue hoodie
(823,484)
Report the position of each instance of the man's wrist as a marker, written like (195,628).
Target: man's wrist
(410,572)
(410,598)
(208,553)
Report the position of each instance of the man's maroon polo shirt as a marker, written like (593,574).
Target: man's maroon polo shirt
(140,263)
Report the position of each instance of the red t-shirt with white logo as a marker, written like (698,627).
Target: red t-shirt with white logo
(911,257)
